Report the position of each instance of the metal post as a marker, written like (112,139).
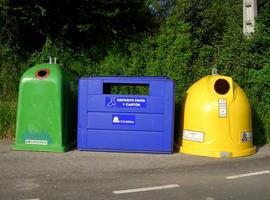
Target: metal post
(249,14)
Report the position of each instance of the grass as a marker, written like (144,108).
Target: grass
(7,118)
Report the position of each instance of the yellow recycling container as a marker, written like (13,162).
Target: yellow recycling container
(216,119)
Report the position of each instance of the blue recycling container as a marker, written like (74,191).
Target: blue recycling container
(109,121)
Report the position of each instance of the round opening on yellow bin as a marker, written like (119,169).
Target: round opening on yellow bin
(222,86)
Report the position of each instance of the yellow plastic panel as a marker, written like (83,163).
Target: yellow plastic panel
(216,119)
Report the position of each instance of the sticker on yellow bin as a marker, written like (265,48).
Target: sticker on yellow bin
(193,136)
(246,136)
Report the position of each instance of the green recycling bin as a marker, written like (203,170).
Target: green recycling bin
(46,113)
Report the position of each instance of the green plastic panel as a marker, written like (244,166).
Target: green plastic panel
(46,114)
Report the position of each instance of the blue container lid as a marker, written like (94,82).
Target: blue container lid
(120,78)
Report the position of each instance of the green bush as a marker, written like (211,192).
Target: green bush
(7,118)
(196,36)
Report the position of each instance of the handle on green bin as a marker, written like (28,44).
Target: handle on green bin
(54,60)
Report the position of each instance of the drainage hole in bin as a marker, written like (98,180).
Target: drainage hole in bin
(222,86)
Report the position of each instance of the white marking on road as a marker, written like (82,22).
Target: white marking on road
(246,175)
(146,189)
(209,198)
(32,199)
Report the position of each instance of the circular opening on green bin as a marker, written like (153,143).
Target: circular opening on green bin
(222,86)
(42,74)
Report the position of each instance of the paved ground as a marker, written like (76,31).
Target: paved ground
(102,176)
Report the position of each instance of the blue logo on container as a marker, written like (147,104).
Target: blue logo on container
(123,119)
(125,102)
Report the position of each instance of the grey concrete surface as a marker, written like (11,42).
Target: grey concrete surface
(95,175)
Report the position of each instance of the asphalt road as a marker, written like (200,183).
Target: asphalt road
(124,176)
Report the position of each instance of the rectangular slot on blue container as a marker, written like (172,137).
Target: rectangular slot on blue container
(127,89)
(126,114)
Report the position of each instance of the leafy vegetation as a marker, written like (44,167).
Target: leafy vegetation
(181,39)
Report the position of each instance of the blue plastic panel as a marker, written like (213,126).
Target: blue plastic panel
(126,123)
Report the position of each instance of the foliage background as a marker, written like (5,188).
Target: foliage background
(181,39)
